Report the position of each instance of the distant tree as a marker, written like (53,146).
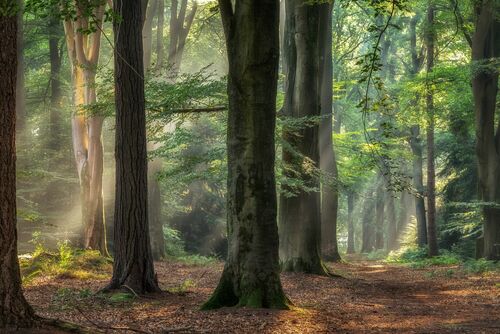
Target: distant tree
(133,262)
(485,57)
(251,274)
(14,310)
(180,24)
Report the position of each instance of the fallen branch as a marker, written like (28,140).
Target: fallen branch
(106,326)
(192,110)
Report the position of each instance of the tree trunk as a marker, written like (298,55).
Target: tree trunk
(300,218)
(431,169)
(160,48)
(418,184)
(147,33)
(155,204)
(368,230)
(485,48)
(83,52)
(328,164)
(55,36)
(133,262)
(351,249)
(379,212)
(20,89)
(251,274)
(391,220)
(180,25)
(14,310)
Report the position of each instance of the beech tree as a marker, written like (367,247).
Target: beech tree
(300,219)
(14,310)
(83,41)
(133,262)
(251,273)
(485,53)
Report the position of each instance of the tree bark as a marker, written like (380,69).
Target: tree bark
(160,48)
(83,52)
(180,25)
(418,184)
(133,262)
(328,163)
(380,212)
(14,310)
(20,89)
(368,229)
(155,204)
(251,274)
(147,32)
(300,218)
(351,249)
(485,48)
(431,168)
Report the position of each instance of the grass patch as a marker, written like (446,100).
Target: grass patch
(65,262)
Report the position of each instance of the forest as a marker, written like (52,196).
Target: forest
(249,166)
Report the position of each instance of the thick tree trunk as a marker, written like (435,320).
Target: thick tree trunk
(431,168)
(14,310)
(328,164)
(486,47)
(418,184)
(368,228)
(351,249)
(133,262)
(20,89)
(300,218)
(380,212)
(251,274)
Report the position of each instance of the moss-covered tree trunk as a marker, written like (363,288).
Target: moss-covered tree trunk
(251,274)
(328,163)
(14,310)
(133,262)
(299,218)
(485,48)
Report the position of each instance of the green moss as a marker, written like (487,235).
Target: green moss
(223,294)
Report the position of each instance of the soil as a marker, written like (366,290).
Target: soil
(371,297)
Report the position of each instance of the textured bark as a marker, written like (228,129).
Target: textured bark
(485,47)
(328,163)
(14,310)
(83,52)
(133,262)
(380,212)
(418,184)
(251,274)
(368,227)
(431,168)
(300,218)
(180,25)
(351,249)
(20,89)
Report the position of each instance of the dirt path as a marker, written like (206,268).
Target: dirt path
(372,298)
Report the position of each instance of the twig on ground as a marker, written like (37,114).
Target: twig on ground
(106,326)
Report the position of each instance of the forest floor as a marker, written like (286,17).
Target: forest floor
(373,297)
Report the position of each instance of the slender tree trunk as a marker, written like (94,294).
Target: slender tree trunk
(391,220)
(155,204)
(380,212)
(431,169)
(160,48)
(328,164)
(133,262)
(300,218)
(251,274)
(180,25)
(147,32)
(368,228)
(351,249)
(14,310)
(418,184)
(485,48)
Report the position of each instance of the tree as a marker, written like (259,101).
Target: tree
(147,32)
(83,39)
(351,249)
(180,24)
(328,163)
(251,273)
(14,310)
(133,262)
(431,168)
(299,218)
(485,53)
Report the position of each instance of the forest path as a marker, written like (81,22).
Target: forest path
(373,297)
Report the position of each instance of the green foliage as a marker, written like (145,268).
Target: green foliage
(480,266)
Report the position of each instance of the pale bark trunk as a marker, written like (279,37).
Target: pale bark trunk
(180,25)
(486,47)
(160,48)
(251,274)
(14,310)
(368,228)
(380,212)
(147,33)
(300,218)
(418,184)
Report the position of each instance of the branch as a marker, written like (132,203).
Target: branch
(192,110)
(460,21)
